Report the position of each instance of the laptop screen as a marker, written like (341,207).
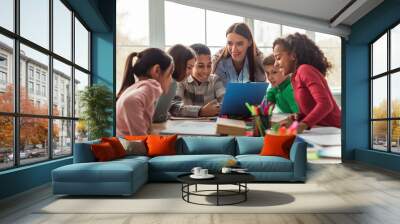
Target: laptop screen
(237,94)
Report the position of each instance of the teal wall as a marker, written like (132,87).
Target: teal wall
(356,86)
(99,16)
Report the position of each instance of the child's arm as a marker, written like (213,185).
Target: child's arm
(313,81)
(178,108)
(271,93)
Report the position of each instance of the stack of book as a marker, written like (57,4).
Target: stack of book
(228,126)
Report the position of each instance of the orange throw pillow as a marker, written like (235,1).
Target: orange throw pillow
(161,145)
(277,145)
(103,152)
(116,145)
(136,137)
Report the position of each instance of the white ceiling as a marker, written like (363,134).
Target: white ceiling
(314,15)
(317,9)
(320,9)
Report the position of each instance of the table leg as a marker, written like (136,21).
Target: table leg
(245,191)
(217,194)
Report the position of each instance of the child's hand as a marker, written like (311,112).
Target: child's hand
(210,109)
(302,126)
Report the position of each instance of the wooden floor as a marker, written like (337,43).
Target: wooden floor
(378,189)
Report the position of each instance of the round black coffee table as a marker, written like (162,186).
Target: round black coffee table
(238,179)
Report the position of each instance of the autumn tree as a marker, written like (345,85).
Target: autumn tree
(33,131)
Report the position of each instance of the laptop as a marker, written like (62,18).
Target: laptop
(237,94)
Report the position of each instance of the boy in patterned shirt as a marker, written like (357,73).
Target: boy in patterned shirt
(201,93)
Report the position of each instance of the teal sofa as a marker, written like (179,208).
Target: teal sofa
(125,176)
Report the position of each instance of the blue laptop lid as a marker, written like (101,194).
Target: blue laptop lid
(237,94)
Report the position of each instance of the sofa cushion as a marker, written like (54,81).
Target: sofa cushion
(249,145)
(112,171)
(83,152)
(185,163)
(134,147)
(159,145)
(197,145)
(103,152)
(116,145)
(257,163)
(277,145)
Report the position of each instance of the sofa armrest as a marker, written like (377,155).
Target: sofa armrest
(83,152)
(298,155)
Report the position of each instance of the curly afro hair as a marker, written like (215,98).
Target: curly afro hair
(305,51)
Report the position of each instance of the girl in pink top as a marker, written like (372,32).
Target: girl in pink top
(153,69)
(299,55)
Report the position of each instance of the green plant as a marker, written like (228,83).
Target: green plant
(96,102)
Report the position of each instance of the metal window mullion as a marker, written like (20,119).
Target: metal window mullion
(389,115)
(73,82)
(371,89)
(50,81)
(16,84)
(205,27)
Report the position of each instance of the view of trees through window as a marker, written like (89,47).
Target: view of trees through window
(385,96)
(207,27)
(37,111)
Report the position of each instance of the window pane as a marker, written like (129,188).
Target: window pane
(177,28)
(217,24)
(81,81)
(34,72)
(379,135)
(81,131)
(395,95)
(379,55)
(6,74)
(395,138)
(6,142)
(379,98)
(395,47)
(122,54)
(266,50)
(327,40)
(130,29)
(81,45)
(62,89)
(62,138)
(265,33)
(7,14)
(33,139)
(62,29)
(334,75)
(214,50)
(35,21)
(286,30)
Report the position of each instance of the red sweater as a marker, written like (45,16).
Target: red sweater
(316,103)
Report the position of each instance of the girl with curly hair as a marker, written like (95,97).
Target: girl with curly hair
(299,55)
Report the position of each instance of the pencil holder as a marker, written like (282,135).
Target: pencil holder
(260,125)
(266,121)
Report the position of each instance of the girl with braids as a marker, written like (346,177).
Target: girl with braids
(136,101)
(299,55)
(240,60)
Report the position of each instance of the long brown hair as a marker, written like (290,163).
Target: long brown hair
(305,51)
(145,60)
(181,55)
(243,30)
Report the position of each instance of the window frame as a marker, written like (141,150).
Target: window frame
(16,115)
(388,74)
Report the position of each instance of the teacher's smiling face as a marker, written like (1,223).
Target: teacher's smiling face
(237,46)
